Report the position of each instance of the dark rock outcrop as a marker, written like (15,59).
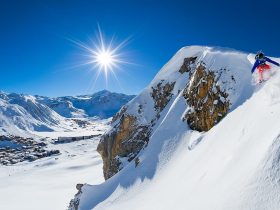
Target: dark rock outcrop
(74,203)
(188,64)
(162,94)
(208,103)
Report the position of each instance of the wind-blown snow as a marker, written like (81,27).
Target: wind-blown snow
(233,166)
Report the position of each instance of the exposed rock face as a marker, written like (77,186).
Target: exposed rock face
(162,94)
(188,64)
(128,136)
(126,140)
(209,104)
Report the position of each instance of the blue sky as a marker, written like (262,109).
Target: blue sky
(36,56)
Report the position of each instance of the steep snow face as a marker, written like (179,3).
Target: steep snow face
(20,114)
(103,104)
(235,165)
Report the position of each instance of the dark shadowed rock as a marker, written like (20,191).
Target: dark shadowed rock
(162,93)
(188,64)
(74,203)
(79,187)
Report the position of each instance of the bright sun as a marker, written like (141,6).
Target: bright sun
(103,57)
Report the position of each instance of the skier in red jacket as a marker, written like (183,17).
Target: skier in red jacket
(261,64)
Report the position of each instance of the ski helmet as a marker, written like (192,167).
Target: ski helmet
(259,55)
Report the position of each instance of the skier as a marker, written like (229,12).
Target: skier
(261,64)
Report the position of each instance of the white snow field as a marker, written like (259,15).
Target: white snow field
(234,166)
(49,183)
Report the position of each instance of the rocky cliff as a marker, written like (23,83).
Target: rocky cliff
(125,141)
(207,88)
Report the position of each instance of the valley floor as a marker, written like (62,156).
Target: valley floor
(49,183)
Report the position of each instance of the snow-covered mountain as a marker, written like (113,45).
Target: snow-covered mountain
(21,114)
(102,104)
(200,136)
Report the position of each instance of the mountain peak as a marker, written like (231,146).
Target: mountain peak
(102,104)
(103,91)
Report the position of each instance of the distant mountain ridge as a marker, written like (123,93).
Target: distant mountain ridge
(102,104)
(20,113)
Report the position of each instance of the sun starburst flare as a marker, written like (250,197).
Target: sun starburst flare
(103,57)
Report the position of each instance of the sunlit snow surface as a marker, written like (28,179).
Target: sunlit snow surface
(234,166)
(49,183)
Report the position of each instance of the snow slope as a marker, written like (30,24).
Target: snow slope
(235,165)
(103,104)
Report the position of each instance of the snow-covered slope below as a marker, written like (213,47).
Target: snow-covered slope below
(234,165)
(103,104)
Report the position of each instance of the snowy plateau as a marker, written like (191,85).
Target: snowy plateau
(201,136)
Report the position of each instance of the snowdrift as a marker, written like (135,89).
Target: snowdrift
(234,165)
